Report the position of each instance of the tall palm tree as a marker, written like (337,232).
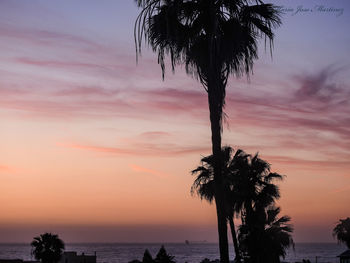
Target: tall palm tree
(213,39)
(47,248)
(342,231)
(267,238)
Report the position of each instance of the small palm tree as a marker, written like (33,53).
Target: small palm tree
(248,183)
(342,231)
(254,183)
(267,238)
(204,186)
(47,248)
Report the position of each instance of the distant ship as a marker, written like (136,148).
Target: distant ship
(195,242)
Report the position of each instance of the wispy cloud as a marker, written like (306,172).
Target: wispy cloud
(320,86)
(307,163)
(145,170)
(48,38)
(340,190)
(141,149)
(56,63)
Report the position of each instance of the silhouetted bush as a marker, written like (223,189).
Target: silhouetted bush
(147,257)
(207,260)
(162,257)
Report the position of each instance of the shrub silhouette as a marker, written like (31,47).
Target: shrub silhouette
(163,256)
(147,257)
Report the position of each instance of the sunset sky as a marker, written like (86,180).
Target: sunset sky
(95,147)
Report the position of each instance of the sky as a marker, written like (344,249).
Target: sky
(97,148)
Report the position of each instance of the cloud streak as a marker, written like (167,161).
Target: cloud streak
(145,170)
(143,149)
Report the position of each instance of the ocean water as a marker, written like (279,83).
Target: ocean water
(192,253)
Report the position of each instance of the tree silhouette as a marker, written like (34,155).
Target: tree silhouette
(163,256)
(267,237)
(254,184)
(342,231)
(203,185)
(213,39)
(147,257)
(47,248)
(262,236)
(248,183)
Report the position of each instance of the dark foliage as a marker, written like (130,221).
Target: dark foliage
(265,237)
(207,260)
(342,231)
(147,257)
(163,256)
(47,248)
(249,190)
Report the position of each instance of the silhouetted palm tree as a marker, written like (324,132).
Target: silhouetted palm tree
(247,184)
(213,39)
(267,237)
(254,183)
(47,248)
(203,185)
(342,231)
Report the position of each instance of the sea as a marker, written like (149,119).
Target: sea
(191,253)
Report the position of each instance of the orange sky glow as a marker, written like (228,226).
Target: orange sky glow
(99,148)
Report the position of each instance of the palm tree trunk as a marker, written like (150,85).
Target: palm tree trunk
(215,120)
(234,239)
(216,94)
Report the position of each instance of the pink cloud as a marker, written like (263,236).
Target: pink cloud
(45,37)
(306,164)
(145,170)
(141,149)
(155,135)
(341,189)
(56,63)
(86,91)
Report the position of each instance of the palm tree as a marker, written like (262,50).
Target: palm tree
(213,39)
(203,185)
(254,184)
(267,238)
(47,248)
(342,231)
(247,185)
